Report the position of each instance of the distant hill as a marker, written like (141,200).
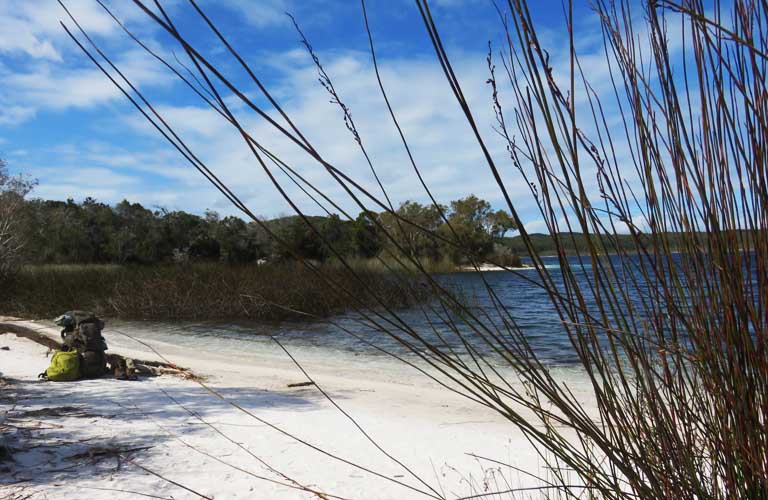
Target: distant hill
(573,243)
(576,242)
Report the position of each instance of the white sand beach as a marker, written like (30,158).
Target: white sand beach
(107,438)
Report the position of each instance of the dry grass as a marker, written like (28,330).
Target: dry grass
(193,292)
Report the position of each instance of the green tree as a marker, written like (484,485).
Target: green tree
(477,228)
(500,224)
(414,229)
(98,229)
(337,234)
(180,231)
(138,236)
(298,240)
(237,241)
(468,229)
(368,239)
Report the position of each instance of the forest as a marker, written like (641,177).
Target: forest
(57,232)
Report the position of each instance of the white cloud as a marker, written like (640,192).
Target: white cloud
(111,173)
(440,139)
(12,115)
(19,34)
(98,178)
(262,13)
(43,69)
(52,86)
(33,29)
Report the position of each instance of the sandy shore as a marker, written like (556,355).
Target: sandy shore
(493,267)
(117,439)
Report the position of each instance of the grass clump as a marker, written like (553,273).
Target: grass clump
(201,291)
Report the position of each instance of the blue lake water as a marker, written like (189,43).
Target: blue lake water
(529,305)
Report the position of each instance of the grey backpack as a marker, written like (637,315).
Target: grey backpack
(82,332)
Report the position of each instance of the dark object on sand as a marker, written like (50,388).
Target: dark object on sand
(143,367)
(123,368)
(81,330)
(301,384)
(70,320)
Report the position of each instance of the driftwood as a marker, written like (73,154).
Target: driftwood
(143,367)
(301,384)
(100,452)
(29,333)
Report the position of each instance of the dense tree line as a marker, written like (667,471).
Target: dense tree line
(94,232)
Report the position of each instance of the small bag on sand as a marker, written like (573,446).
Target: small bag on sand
(65,367)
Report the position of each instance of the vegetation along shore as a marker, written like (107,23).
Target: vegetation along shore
(126,261)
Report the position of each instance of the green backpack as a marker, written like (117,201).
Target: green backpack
(65,366)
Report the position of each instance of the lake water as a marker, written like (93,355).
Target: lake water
(528,304)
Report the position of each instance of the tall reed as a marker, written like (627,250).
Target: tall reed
(192,292)
(673,344)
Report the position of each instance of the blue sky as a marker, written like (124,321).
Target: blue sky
(64,124)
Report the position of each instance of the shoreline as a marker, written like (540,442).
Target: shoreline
(492,268)
(425,426)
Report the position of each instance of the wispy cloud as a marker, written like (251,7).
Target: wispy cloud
(42,69)
(262,13)
(32,28)
(438,135)
(52,86)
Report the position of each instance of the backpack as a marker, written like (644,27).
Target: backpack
(93,364)
(71,319)
(65,366)
(86,339)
